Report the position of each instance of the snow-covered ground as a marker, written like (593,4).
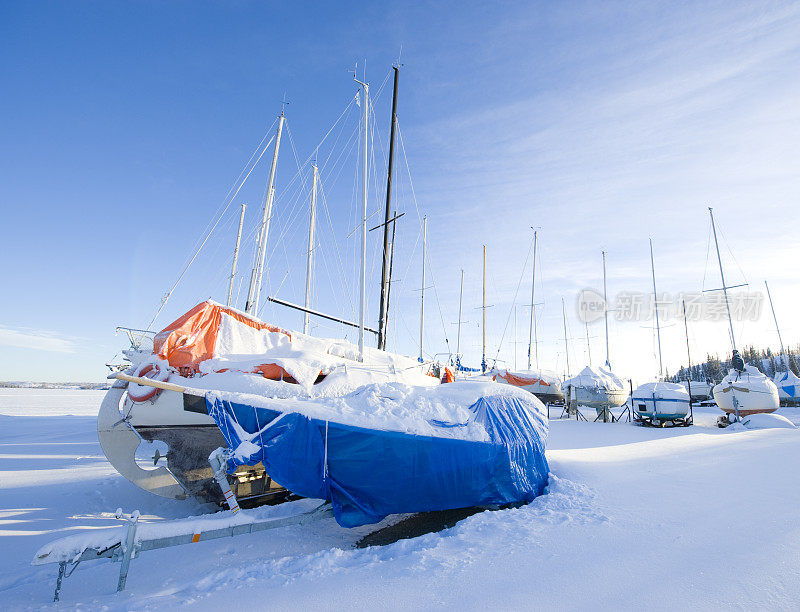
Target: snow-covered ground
(680,518)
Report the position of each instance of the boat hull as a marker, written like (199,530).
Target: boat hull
(181,422)
(746,395)
(599,398)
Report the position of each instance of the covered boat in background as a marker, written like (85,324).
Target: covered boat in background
(700,389)
(596,388)
(788,384)
(543,384)
(393,448)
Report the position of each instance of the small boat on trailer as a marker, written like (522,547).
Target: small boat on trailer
(661,404)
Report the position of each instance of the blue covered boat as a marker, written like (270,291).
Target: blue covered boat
(493,456)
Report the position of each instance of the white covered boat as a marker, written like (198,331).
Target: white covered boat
(661,401)
(747,392)
(215,347)
(543,384)
(596,388)
(700,389)
(788,384)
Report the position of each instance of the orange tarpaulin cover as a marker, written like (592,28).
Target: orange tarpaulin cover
(519,381)
(192,338)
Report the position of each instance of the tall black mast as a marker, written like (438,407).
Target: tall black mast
(384,305)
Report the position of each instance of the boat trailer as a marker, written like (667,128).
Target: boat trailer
(126,544)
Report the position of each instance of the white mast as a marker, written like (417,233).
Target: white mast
(605,309)
(460,298)
(422,300)
(778,329)
(310,261)
(588,343)
(566,345)
(515,337)
(722,276)
(655,306)
(235,256)
(363,279)
(483,322)
(533,293)
(254,293)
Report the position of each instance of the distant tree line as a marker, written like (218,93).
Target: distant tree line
(714,369)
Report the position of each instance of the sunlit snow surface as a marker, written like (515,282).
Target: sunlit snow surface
(689,517)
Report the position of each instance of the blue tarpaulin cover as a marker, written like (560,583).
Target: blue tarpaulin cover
(368,474)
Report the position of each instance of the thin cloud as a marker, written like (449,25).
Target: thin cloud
(36,339)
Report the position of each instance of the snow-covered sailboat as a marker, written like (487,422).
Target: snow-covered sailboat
(221,378)
(744,390)
(599,387)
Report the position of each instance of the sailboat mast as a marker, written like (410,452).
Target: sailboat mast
(566,345)
(364,178)
(460,298)
(254,293)
(655,306)
(722,276)
(384,303)
(588,344)
(483,322)
(422,295)
(605,309)
(774,318)
(533,294)
(310,261)
(235,256)
(689,357)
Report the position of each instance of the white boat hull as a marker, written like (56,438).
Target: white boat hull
(749,393)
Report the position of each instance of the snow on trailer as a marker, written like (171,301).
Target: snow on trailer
(122,544)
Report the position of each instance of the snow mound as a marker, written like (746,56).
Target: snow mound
(767,421)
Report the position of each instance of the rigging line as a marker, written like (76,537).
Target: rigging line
(524,266)
(348,292)
(333,148)
(439,305)
(346,108)
(408,169)
(708,251)
(208,235)
(252,155)
(732,254)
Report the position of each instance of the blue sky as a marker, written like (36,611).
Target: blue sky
(602,124)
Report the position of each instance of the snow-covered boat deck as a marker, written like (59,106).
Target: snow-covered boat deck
(686,517)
